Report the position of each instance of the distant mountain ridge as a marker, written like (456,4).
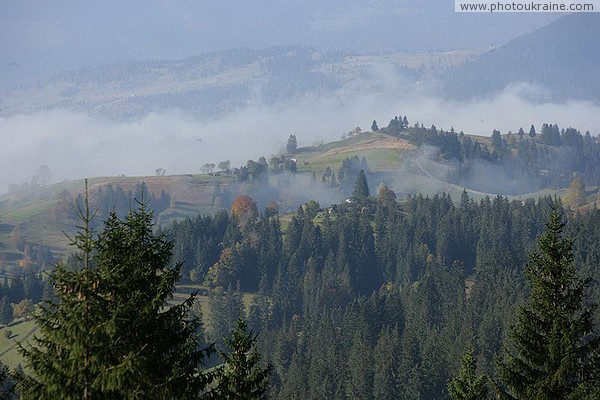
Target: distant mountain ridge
(41,37)
(562,58)
(216,83)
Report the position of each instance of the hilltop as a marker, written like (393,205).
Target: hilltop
(409,160)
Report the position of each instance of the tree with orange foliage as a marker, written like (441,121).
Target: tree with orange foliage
(244,209)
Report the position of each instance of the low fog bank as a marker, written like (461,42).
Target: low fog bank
(76,145)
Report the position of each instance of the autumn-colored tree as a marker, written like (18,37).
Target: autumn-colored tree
(23,308)
(245,209)
(225,271)
(386,196)
(576,192)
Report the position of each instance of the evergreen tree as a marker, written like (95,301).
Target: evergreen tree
(7,385)
(242,377)
(374,126)
(6,311)
(17,290)
(225,309)
(468,386)
(497,140)
(359,380)
(386,362)
(552,346)
(33,287)
(110,334)
(361,188)
(292,145)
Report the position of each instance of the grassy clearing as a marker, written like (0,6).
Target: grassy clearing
(21,331)
(23,210)
(340,143)
(378,160)
(382,152)
(40,219)
(203,297)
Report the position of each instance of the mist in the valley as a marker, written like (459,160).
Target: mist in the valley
(75,145)
(39,39)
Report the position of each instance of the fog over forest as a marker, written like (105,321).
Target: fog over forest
(75,145)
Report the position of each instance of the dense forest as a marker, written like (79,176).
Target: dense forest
(519,162)
(374,298)
(370,298)
(403,261)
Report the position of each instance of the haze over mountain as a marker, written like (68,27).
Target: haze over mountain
(40,37)
(562,59)
(217,83)
(179,114)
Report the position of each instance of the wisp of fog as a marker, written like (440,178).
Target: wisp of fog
(76,145)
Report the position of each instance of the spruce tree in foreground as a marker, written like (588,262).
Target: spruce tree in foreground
(7,386)
(553,349)
(110,334)
(241,376)
(468,386)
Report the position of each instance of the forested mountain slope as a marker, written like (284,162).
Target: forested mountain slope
(217,83)
(561,58)
(372,298)
(372,293)
(408,159)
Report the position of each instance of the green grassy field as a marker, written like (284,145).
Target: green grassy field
(316,159)
(21,331)
(24,330)
(378,160)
